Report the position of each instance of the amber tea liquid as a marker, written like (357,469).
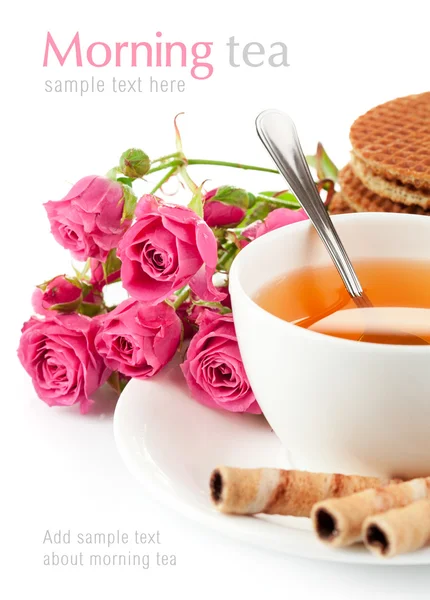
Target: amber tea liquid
(315,298)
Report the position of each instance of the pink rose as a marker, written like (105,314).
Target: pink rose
(225,206)
(88,221)
(168,247)
(213,368)
(59,354)
(275,219)
(36,302)
(138,340)
(59,294)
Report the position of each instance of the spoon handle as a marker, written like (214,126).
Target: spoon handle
(279,135)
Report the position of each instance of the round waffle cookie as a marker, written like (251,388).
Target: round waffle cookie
(405,194)
(338,206)
(393,140)
(362,199)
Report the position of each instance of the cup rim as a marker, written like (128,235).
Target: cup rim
(265,239)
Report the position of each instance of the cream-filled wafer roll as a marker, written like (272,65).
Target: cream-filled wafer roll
(275,491)
(399,530)
(339,521)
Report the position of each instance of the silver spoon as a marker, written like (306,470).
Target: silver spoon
(279,135)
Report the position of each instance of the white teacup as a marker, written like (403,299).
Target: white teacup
(337,405)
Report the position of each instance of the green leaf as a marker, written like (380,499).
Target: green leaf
(196,203)
(312,161)
(258,212)
(322,163)
(126,180)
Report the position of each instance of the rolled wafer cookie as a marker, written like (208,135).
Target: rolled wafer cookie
(339,521)
(275,491)
(399,530)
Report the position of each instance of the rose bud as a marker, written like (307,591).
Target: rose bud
(59,354)
(138,340)
(213,368)
(225,206)
(274,220)
(134,163)
(89,221)
(191,310)
(59,294)
(168,247)
(99,276)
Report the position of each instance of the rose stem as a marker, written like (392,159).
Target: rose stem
(181,297)
(228,254)
(174,163)
(278,202)
(162,158)
(221,163)
(162,181)
(194,161)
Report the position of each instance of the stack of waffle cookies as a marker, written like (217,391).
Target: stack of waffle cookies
(389,169)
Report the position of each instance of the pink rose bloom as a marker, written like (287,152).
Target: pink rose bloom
(275,219)
(138,340)
(223,211)
(59,354)
(59,294)
(213,368)
(98,279)
(168,247)
(88,220)
(36,302)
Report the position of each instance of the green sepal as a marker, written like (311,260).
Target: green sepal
(130,201)
(196,203)
(223,310)
(251,200)
(68,306)
(228,194)
(112,264)
(112,173)
(90,309)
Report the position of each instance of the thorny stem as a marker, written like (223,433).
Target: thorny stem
(162,181)
(279,202)
(221,163)
(181,297)
(165,157)
(228,254)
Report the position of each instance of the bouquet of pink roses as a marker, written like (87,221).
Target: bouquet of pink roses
(172,260)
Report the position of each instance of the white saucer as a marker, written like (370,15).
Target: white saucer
(171,444)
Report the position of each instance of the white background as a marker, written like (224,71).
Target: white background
(61,470)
